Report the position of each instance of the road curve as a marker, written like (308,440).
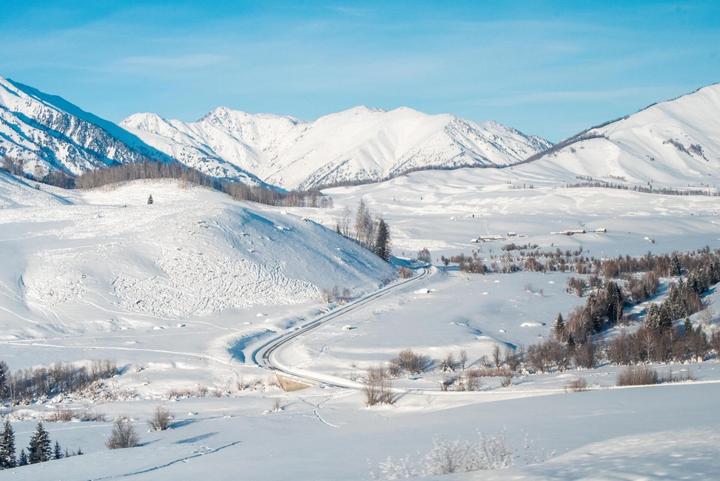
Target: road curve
(264,355)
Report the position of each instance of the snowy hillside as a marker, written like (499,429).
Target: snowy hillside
(672,143)
(17,192)
(49,133)
(193,252)
(359,144)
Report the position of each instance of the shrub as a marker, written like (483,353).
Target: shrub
(378,389)
(160,420)
(123,435)
(405,273)
(411,362)
(715,343)
(447,457)
(577,385)
(637,376)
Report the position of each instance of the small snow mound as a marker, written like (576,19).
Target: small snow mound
(531,324)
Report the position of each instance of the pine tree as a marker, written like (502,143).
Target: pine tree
(382,243)
(39,449)
(150,200)
(559,330)
(57,452)
(614,298)
(22,460)
(675,266)
(7,447)
(4,381)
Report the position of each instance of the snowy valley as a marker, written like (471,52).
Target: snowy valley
(546,313)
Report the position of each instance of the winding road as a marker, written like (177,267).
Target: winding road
(265,356)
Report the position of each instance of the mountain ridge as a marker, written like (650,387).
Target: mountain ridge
(359,144)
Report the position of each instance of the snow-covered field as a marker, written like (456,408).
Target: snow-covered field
(182,292)
(446,211)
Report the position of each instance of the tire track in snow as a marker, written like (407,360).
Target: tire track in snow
(168,464)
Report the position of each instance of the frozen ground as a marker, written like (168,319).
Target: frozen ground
(75,265)
(326,435)
(446,210)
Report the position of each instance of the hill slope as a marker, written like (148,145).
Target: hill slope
(672,143)
(356,145)
(106,259)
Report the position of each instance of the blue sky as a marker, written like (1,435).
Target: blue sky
(546,67)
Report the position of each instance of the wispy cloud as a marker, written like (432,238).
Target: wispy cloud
(172,62)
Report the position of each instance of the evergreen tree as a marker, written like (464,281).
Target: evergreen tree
(22,460)
(614,298)
(559,330)
(7,447)
(40,449)
(150,200)
(675,266)
(57,452)
(4,381)
(382,243)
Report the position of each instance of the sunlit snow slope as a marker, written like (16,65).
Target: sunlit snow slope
(102,257)
(355,145)
(673,143)
(47,133)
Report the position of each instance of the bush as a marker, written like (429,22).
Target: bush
(123,435)
(410,362)
(637,376)
(378,389)
(424,256)
(715,343)
(577,385)
(160,420)
(446,457)
(405,273)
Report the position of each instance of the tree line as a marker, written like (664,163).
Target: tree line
(27,385)
(173,170)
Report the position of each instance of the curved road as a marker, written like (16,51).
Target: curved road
(265,354)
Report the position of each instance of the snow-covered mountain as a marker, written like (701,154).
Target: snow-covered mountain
(49,133)
(671,143)
(355,145)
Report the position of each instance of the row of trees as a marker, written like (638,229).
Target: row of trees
(30,384)
(172,170)
(40,449)
(369,230)
(622,267)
